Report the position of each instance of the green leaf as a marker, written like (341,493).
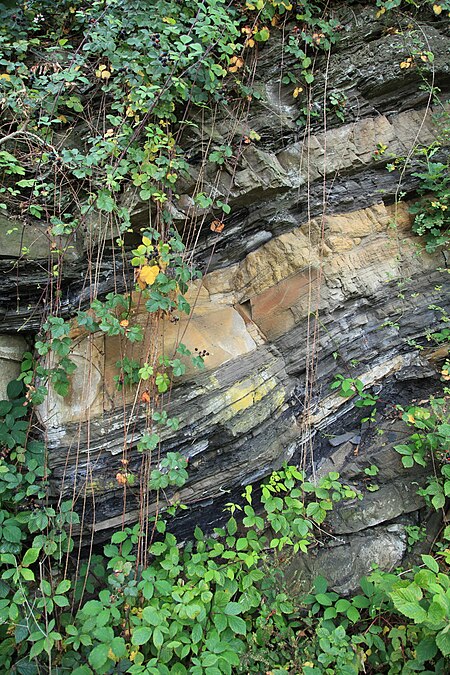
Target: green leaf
(436,616)
(105,202)
(438,501)
(431,563)
(151,616)
(197,633)
(320,584)
(233,609)
(14,389)
(63,586)
(406,600)
(37,648)
(324,599)
(330,613)
(443,640)
(12,534)
(30,556)
(426,650)
(82,670)
(158,638)
(193,610)
(5,407)
(141,635)
(353,615)
(220,622)
(61,600)
(99,656)
(342,605)
(237,625)
(27,574)
(232,526)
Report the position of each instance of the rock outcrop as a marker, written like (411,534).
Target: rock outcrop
(316,272)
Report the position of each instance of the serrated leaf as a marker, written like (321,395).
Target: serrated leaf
(233,609)
(430,562)
(406,600)
(237,625)
(98,656)
(141,635)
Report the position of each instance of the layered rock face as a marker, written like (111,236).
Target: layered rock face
(315,273)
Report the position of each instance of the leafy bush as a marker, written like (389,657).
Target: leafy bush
(432,216)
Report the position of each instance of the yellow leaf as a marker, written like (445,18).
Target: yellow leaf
(297,91)
(62,118)
(254,135)
(111,655)
(147,275)
(437,9)
(380,12)
(105,75)
(5,76)
(162,264)
(146,241)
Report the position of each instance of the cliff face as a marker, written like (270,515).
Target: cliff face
(315,273)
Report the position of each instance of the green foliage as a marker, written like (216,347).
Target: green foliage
(148,604)
(218,603)
(431,440)
(31,531)
(431,211)
(194,609)
(349,387)
(437,6)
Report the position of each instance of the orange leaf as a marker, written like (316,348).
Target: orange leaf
(217,226)
(121,478)
(147,275)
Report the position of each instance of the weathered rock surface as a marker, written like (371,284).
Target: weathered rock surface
(315,273)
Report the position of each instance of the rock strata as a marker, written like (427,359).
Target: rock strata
(316,272)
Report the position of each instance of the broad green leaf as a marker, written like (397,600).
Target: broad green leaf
(237,625)
(443,640)
(151,616)
(30,556)
(141,635)
(63,586)
(98,656)
(406,600)
(233,609)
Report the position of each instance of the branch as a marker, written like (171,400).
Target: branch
(27,134)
